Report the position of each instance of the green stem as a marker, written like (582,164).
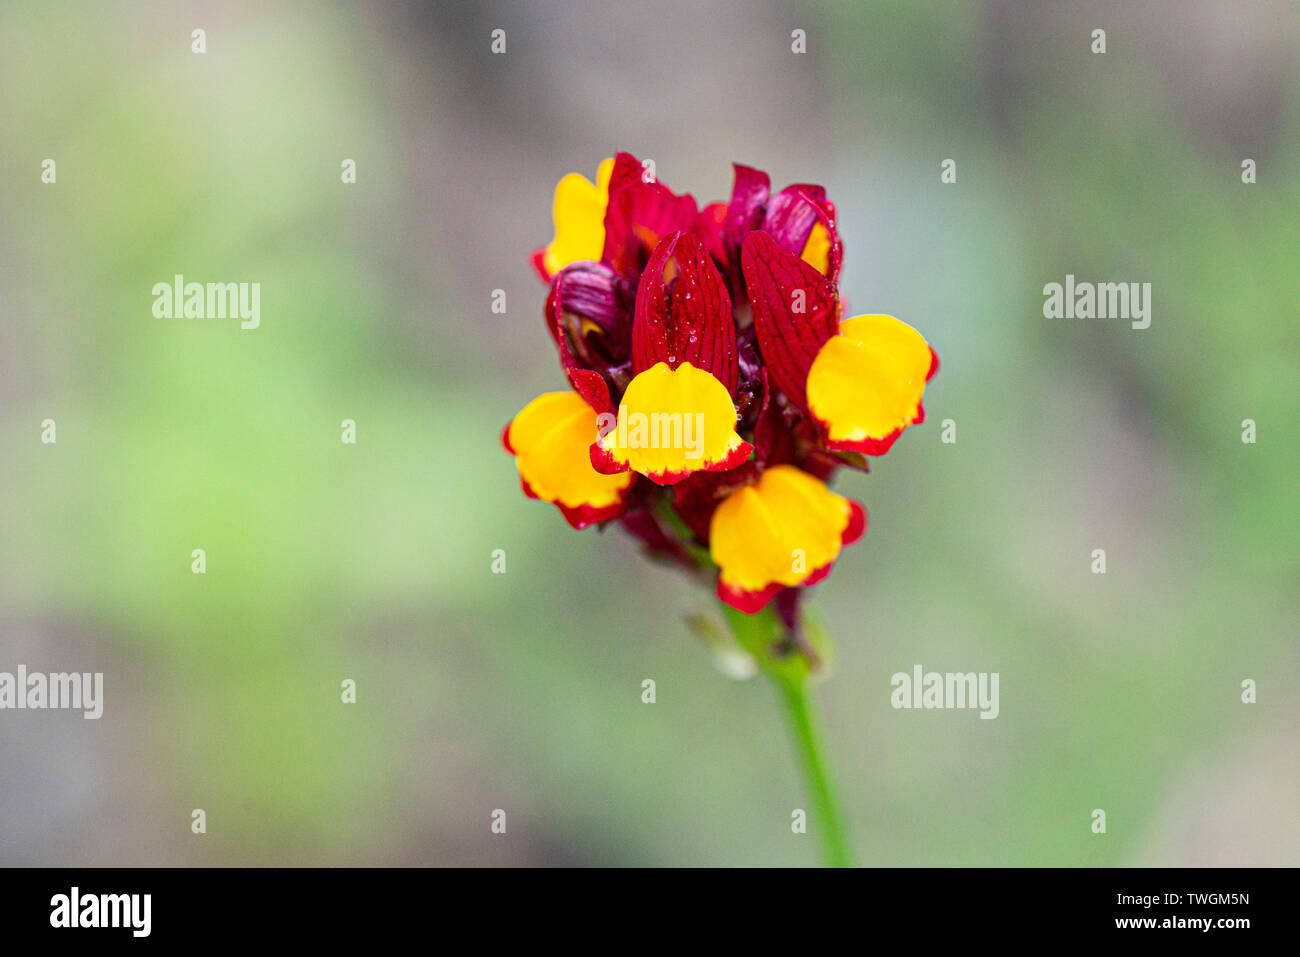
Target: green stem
(763,635)
(807,735)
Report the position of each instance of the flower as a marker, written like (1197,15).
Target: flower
(785,529)
(550,438)
(579,213)
(684,369)
(715,388)
(861,379)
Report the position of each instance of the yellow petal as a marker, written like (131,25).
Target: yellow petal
(865,385)
(673,422)
(579,214)
(551,438)
(780,531)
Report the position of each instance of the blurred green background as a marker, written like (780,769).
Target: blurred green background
(522,691)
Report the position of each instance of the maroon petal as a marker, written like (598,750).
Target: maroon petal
(572,290)
(791,215)
(790,218)
(588,384)
(774,441)
(639,215)
(597,306)
(709,226)
(796,309)
(692,324)
(578,516)
(538,259)
(750,189)
(747,602)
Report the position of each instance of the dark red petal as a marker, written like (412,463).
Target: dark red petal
(584,515)
(857,524)
(587,383)
(538,259)
(585,291)
(827,218)
(774,441)
(748,602)
(592,291)
(527,489)
(591,386)
(603,461)
(696,324)
(750,189)
(639,215)
(791,215)
(881,445)
(788,339)
(783,436)
(708,226)
(818,574)
(866,446)
(591,308)
(732,460)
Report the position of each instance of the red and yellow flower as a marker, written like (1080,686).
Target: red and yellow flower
(714,386)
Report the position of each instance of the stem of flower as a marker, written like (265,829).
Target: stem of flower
(765,638)
(807,735)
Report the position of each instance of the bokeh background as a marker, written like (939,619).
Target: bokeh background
(522,691)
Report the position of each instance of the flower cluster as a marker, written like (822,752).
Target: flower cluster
(715,387)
